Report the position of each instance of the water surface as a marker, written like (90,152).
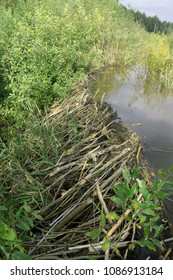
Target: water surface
(138,102)
(138,99)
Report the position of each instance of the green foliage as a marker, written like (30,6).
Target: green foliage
(9,242)
(113,216)
(22,182)
(146,212)
(17,230)
(47,47)
(93,234)
(158,53)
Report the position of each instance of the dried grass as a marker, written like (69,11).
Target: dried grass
(91,160)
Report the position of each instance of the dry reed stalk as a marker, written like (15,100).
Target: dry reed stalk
(91,160)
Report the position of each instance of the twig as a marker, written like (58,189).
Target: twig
(100,197)
(93,248)
(107,253)
(64,222)
(167,253)
(88,156)
(121,220)
(168,240)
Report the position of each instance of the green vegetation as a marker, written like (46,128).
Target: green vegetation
(146,212)
(48,47)
(47,50)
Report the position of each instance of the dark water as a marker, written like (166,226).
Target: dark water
(140,100)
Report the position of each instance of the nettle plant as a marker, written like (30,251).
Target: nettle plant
(138,210)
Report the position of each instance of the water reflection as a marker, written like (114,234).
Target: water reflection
(139,99)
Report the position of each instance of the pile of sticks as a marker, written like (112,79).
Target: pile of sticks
(94,148)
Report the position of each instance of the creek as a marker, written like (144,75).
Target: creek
(147,109)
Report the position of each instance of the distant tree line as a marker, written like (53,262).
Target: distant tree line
(152,24)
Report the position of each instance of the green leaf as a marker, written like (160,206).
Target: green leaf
(36,214)
(157,208)
(74,126)
(26,207)
(147,204)
(161,174)
(142,218)
(102,220)
(135,172)
(113,216)
(17,255)
(133,191)
(19,212)
(30,221)
(148,211)
(141,183)
(170,170)
(24,225)
(149,244)
(91,258)
(117,251)
(7,233)
(121,191)
(144,191)
(157,243)
(10,235)
(136,205)
(155,186)
(93,234)
(106,244)
(160,195)
(146,230)
(158,229)
(155,219)
(126,175)
(117,200)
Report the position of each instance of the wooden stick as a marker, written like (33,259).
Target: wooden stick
(121,220)
(100,197)
(88,156)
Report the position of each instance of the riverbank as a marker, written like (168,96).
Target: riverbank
(86,187)
(100,189)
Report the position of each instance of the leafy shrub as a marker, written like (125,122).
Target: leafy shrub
(49,46)
(158,53)
(144,213)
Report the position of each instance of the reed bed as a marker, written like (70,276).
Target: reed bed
(96,148)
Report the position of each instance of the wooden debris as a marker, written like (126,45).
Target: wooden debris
(93,153)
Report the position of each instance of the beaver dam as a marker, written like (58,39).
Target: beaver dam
(96,197)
